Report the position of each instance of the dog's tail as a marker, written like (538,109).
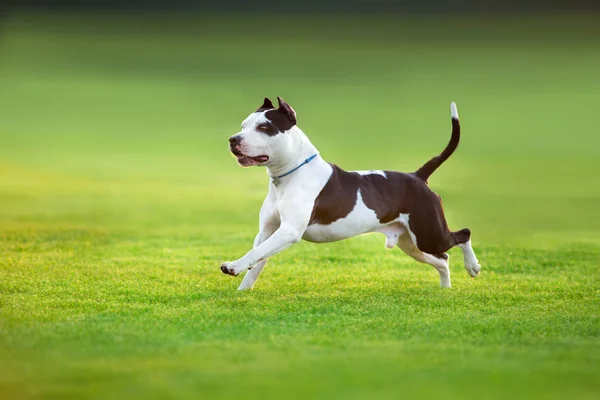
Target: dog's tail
(430,166)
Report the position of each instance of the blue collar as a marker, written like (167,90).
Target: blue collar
(277,179)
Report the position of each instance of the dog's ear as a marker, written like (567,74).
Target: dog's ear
(267,105)
(286,109)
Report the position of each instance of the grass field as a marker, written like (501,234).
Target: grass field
(119,201)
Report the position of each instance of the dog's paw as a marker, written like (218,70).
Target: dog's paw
(473,267)
(229,268)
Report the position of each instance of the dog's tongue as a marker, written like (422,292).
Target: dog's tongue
(261,158)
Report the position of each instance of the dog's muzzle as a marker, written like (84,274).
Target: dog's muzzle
(243,159)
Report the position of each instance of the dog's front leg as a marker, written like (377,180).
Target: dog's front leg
(294,220)
(253,273)
(269,222)
(283,238)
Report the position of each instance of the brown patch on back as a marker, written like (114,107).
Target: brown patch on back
(385,196)
(397,193)
(337,199)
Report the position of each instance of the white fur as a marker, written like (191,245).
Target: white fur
(471,263)
(442,266)
(453,110)
(408,246)
(372,172)
(403,218)
(292,200)
(284,149)
(286,212)
(392,233)
(360,220)
(268,223)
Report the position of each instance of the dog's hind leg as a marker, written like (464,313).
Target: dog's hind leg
(440,262)
(463,239)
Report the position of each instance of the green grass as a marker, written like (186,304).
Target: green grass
(119,201)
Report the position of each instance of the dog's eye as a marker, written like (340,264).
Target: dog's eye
(263,127)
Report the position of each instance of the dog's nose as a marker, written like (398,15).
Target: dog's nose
(235,140)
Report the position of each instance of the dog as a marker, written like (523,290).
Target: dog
(314,200)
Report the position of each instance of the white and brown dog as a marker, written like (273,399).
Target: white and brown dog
(314,200)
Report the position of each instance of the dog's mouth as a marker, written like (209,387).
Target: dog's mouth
(247,161)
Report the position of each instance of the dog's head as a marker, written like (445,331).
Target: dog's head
(267,135)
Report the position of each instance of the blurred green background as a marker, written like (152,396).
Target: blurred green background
(119,200)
